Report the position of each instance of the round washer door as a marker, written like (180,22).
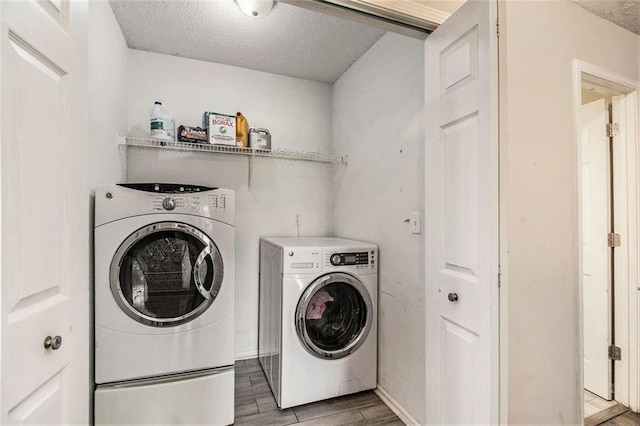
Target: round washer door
(334,316)
(166,274)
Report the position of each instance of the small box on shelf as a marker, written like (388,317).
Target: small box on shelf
(221,128)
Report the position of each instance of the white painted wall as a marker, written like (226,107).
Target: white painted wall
(539,211)
(107,94)
(298,114)
(378,122)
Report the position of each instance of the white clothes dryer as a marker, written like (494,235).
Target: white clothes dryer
(164,304)
(318,317)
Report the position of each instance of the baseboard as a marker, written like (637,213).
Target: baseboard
(246,355)
(403,414)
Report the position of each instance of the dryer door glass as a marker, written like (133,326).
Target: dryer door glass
(334,316)
(166,274)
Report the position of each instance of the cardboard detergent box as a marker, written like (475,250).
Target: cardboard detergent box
(221,128)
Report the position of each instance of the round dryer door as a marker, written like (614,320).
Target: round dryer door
(166,274)
(334,316)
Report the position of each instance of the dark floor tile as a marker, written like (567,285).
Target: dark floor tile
(239,363)
(248,370)
(627,419)
(255,405)
(266,404)
(257,378)
(350,417)
(604,415)
(379,414)
(246,409)
(336,405)
(252,362)
(242,382)
(394,422)
(285,417)
(252,393)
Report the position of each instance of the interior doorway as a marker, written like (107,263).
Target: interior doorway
(607,170)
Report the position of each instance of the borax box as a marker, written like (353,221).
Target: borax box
(221,128)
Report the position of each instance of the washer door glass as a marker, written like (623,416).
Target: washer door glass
(166,274)
(334,316)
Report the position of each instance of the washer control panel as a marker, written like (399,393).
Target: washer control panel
(348,259)
(356,260)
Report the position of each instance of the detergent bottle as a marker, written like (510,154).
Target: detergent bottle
(242,130)
(163,125)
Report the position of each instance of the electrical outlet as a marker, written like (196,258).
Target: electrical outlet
(415,222)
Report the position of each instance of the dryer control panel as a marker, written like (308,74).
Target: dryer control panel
(114,202)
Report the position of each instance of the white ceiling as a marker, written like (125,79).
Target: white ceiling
(625,13)
(290,41)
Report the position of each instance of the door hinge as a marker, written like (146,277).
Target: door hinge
(613,240)
(615,353)
(612,129)
(499,277)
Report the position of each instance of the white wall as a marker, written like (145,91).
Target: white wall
(539,220)
(377,116)
(107,94)
(298,114)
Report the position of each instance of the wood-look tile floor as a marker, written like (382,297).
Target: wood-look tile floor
(593,404)
(600,412)
(255,405)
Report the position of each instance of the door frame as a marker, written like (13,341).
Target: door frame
(626,263)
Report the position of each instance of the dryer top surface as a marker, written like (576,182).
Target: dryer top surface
(318,242)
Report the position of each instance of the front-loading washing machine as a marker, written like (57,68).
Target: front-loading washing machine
(164,304)
(318,317)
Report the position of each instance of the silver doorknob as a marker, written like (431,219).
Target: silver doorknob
(52,343)
(453,297)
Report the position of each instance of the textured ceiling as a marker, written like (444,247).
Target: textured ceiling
(625,13)
(290,41)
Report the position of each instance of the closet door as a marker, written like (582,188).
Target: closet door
(45,213)
(461,216)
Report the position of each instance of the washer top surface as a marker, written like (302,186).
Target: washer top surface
(115,202)
(317,242)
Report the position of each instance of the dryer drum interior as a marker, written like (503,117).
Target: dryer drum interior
(166,274)
(334,316)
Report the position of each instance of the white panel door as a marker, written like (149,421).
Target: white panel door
(596,255)
(461,170)
(45,229)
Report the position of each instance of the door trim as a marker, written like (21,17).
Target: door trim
(626,295)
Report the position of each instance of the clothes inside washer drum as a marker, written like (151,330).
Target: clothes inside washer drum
(343,318)
(317,305)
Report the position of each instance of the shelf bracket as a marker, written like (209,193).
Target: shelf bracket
(250,170)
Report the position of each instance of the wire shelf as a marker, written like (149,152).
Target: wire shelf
(287,154)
